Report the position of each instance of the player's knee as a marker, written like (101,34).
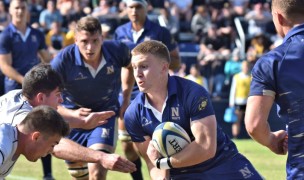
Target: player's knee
(79,172)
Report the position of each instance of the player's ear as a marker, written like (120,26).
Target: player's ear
(35,136)
(40,97)
(281,19)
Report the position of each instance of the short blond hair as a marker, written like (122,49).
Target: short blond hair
(153,47)
(293,9)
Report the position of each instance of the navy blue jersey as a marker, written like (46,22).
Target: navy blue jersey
(280,74)
(81,89)
(186,102)
(24,50)
(152,31)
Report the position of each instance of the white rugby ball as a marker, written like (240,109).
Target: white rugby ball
(169,138)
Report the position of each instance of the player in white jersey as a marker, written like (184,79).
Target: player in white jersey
(35,137)
(42,86)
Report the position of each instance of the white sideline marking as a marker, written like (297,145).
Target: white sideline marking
(20,177)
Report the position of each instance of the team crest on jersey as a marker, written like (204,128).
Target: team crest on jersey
(175,113)
(246,172)
(34,38)
(110,69)
(203,104)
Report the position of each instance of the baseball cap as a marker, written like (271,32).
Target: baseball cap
(132,2)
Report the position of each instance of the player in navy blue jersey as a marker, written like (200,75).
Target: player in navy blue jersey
(211,154)
(140,28)
(93,71)
(278,77)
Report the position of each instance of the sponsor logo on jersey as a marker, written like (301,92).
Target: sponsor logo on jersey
(145,121)
(80,76)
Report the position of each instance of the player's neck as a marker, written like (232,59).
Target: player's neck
(158,96)
(20,26)
(137,26)
(21,137)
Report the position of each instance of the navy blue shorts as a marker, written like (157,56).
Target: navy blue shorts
(237,167)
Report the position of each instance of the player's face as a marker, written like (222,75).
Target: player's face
(148,72)
(18,11)
(53,99)
(41,146)
(136,13)
(89,45)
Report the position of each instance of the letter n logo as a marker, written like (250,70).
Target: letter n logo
(110,70)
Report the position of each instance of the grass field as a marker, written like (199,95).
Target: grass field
(271,166)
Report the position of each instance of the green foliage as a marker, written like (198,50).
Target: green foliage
(271,166)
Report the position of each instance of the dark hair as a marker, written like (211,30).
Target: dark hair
(46,120)
(153,47)
(41,78)
(89,24)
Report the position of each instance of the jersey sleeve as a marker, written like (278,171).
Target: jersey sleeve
(200,105)
(5,43)
(263,77)
(133,126)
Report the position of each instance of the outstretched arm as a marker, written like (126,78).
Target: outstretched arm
(256,121)
(71,151)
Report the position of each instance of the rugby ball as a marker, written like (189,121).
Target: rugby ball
(169,138)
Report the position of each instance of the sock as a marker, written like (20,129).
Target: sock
(137,175)
(47,165)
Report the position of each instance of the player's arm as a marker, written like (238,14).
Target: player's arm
(204,131)
(84,118)
(175,59)
(7,68)
(45,56)
(256,121)
(154,172)
(71,151)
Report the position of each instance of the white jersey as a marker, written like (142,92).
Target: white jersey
(8,146)
(13,108)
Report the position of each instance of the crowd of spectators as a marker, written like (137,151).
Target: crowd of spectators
(207,24)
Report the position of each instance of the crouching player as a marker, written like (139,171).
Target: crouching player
(211,154)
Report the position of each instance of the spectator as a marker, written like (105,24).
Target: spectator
(182,10)
(196,76)
(49,15)
(4,17)
(165,19)
(233,66)
(34,137)
(200,23)
(55,39)
(238,96)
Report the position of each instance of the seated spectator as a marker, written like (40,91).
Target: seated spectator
(165,19)
(105,8)
(35,9)
(196,76)
(55,39)
(4,16)
(239,7)
(49,15)
(200,23)
(181,9)
(69,36)
(260,44)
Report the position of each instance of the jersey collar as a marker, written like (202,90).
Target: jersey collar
(294,31)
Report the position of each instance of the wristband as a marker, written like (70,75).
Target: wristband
(163,163)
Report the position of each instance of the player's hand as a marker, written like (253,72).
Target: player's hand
(95,119)
(115,162)
(152,152)
(279,142)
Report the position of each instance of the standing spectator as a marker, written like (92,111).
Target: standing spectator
(277,77)
(35,8)
(165,19)
(233,65)
(238,96)
(140,29)
(49,15)
(92,71)
(35,137)
(182,10)
(19,46)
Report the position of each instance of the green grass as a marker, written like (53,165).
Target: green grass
(271,166)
